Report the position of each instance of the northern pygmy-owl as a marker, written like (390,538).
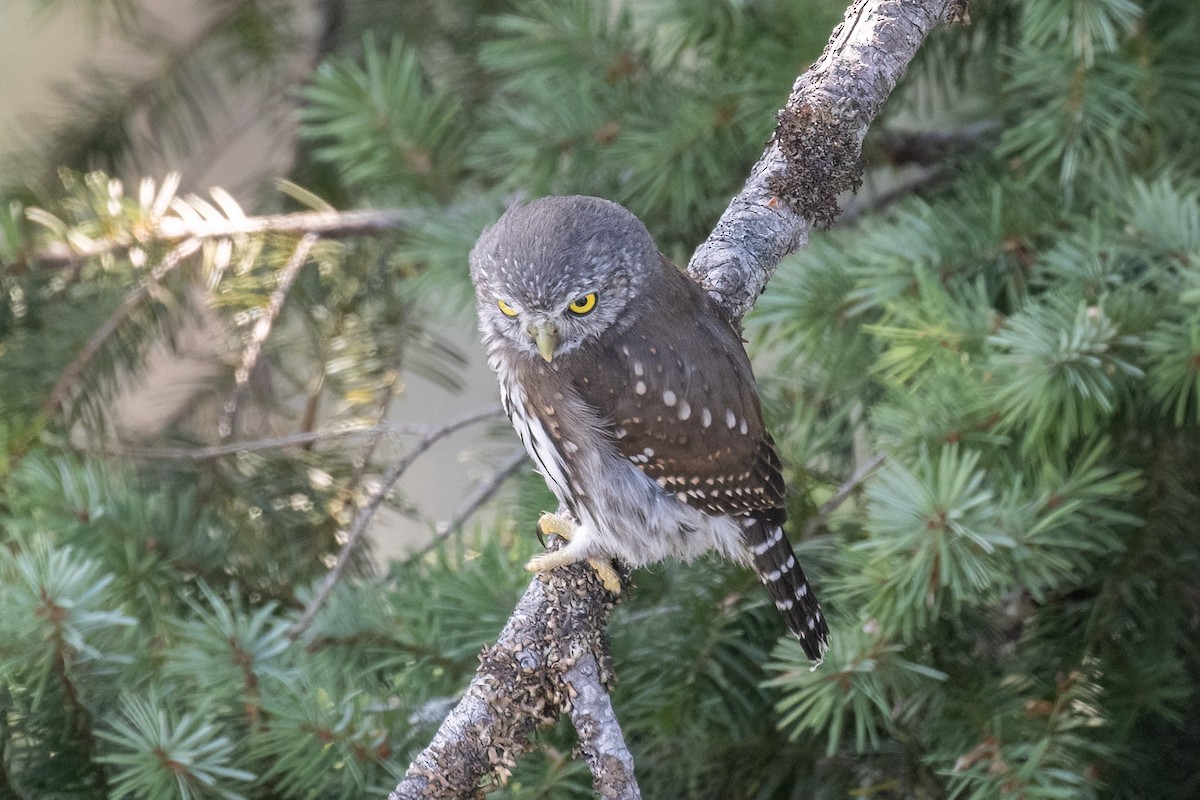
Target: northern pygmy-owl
(634,397)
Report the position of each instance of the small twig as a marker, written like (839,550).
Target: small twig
(66,381)
(364,459)
(312,399)
(484,491)
(367,512)
(210,452)
(818,520)
(933,147)
(856,209)
(475,500)
(322,223)
(258,337)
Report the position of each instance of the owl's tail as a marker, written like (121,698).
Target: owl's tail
(775,562)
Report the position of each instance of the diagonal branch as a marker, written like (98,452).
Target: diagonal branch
(258,337)
(483,492)
(813,155)
(367,512)
(66,381)
(848,487)
(815,152)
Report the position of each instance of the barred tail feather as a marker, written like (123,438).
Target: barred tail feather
(775,562)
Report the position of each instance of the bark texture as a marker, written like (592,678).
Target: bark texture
(551,658)
(815,153)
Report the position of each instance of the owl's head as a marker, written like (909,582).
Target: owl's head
(560,272)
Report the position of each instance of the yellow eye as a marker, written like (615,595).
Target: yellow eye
(506,309)
(582,305)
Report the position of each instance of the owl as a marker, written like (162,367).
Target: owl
(635,399)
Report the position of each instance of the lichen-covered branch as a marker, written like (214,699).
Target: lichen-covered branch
(543,664)
(815,152)
(600,741)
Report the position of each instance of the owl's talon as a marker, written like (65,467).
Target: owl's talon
(607,575)
(561,558)
(548,561)
(557,524)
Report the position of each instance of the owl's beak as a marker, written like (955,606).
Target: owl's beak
(545,336)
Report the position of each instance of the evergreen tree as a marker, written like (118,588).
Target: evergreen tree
(1006,321)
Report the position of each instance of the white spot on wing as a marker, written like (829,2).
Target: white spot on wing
(685,410)
(705,417)
(639,387)
(669,397)
(730,418)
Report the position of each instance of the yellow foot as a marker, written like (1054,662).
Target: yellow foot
(564,528)
(607,575)
(560,526)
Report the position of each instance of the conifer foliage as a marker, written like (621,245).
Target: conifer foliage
(1006,321)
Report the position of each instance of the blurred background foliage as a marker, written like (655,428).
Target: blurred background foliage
(1009,313)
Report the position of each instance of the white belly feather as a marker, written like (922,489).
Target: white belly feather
(625,515)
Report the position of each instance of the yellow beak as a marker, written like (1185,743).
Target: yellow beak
(545,336)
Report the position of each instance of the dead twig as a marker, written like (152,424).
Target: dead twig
(258,337)
(818,520)
(355,533)
(65,384)
(483,492)
(209,452)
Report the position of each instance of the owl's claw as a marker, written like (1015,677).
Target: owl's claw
(607,575)
(563,558)
(557,524)
(564,528)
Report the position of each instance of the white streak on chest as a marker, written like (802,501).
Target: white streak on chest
(534,436)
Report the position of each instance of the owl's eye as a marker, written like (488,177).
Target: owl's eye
(582,305)
(506,309)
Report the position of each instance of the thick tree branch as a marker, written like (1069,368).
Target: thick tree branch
(600,741)
(815,153)
(543,664)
